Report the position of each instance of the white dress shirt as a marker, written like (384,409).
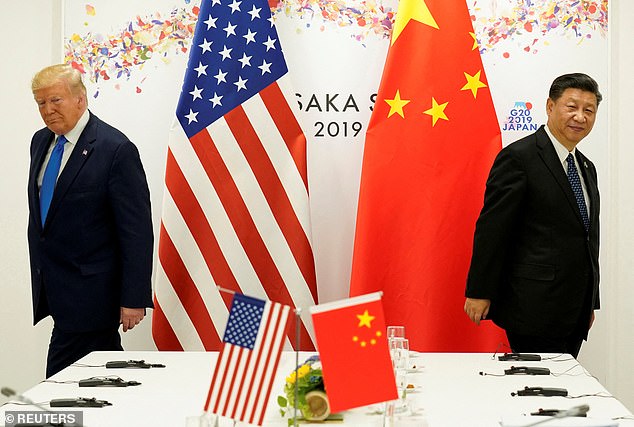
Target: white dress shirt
(563,152)
(71,140)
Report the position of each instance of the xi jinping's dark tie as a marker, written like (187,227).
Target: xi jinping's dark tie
(50,176)
(575,183)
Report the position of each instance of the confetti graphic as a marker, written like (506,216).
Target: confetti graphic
(103,57)
(526,24)
(529,21)
(363,18)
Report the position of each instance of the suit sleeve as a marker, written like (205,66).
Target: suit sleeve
(502,210)
(130,202)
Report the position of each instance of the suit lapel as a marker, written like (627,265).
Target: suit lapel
(81,153)
(549,156)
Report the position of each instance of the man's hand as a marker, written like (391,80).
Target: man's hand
(477,309)
(130,317)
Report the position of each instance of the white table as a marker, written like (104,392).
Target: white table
(449,391)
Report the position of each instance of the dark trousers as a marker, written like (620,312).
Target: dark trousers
(530,344)
(66,348)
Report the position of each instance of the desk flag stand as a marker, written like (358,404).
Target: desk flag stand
(249,318)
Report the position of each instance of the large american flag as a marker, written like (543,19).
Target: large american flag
(246,367)
(235,209)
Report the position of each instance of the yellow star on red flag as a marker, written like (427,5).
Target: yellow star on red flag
(437,111)
(411,10)
(475,41)
(473,83)
(397,104)
(365,319)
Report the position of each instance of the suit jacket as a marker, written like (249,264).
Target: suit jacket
(94,253)
(532,256)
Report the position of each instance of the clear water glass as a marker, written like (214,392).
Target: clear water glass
(395,332)
(399,352)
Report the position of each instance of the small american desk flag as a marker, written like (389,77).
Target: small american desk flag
(246,367)
(235,207)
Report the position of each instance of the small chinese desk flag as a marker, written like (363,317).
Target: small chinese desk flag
(355,358)
(247,363)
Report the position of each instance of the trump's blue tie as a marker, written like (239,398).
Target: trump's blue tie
(50,176)
(575,183)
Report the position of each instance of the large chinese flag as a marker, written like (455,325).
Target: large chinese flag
(431,140)
(355,358)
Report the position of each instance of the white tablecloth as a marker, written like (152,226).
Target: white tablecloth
(448,391)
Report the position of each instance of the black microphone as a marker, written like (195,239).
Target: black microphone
(541,391)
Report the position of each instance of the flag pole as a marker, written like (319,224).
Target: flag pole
(298,319)
(225,290)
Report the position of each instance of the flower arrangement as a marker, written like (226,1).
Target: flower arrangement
(311,396)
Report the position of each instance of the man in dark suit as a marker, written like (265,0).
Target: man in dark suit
(535,264)
(90,225)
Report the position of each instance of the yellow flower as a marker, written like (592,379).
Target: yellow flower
(301,372)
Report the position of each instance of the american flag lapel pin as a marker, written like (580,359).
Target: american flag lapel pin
(84,153)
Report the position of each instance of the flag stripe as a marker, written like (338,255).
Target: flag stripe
(238,369)
(275,194)
(229,267)
(218,370)
(198,225)
(269,228)
(261,118)
(260,350)
(242,220)
(288,126)
(195,225)
(228,357)
(195,174)
(244,377)
(187,292)
(167,338)
(175,313)
(194,261)
(272,362)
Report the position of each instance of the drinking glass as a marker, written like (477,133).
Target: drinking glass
(399,352)
(395,332)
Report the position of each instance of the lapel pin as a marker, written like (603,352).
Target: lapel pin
(585,164)
(85,152)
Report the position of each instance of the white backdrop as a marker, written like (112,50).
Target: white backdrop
(335,62)
(31,41)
